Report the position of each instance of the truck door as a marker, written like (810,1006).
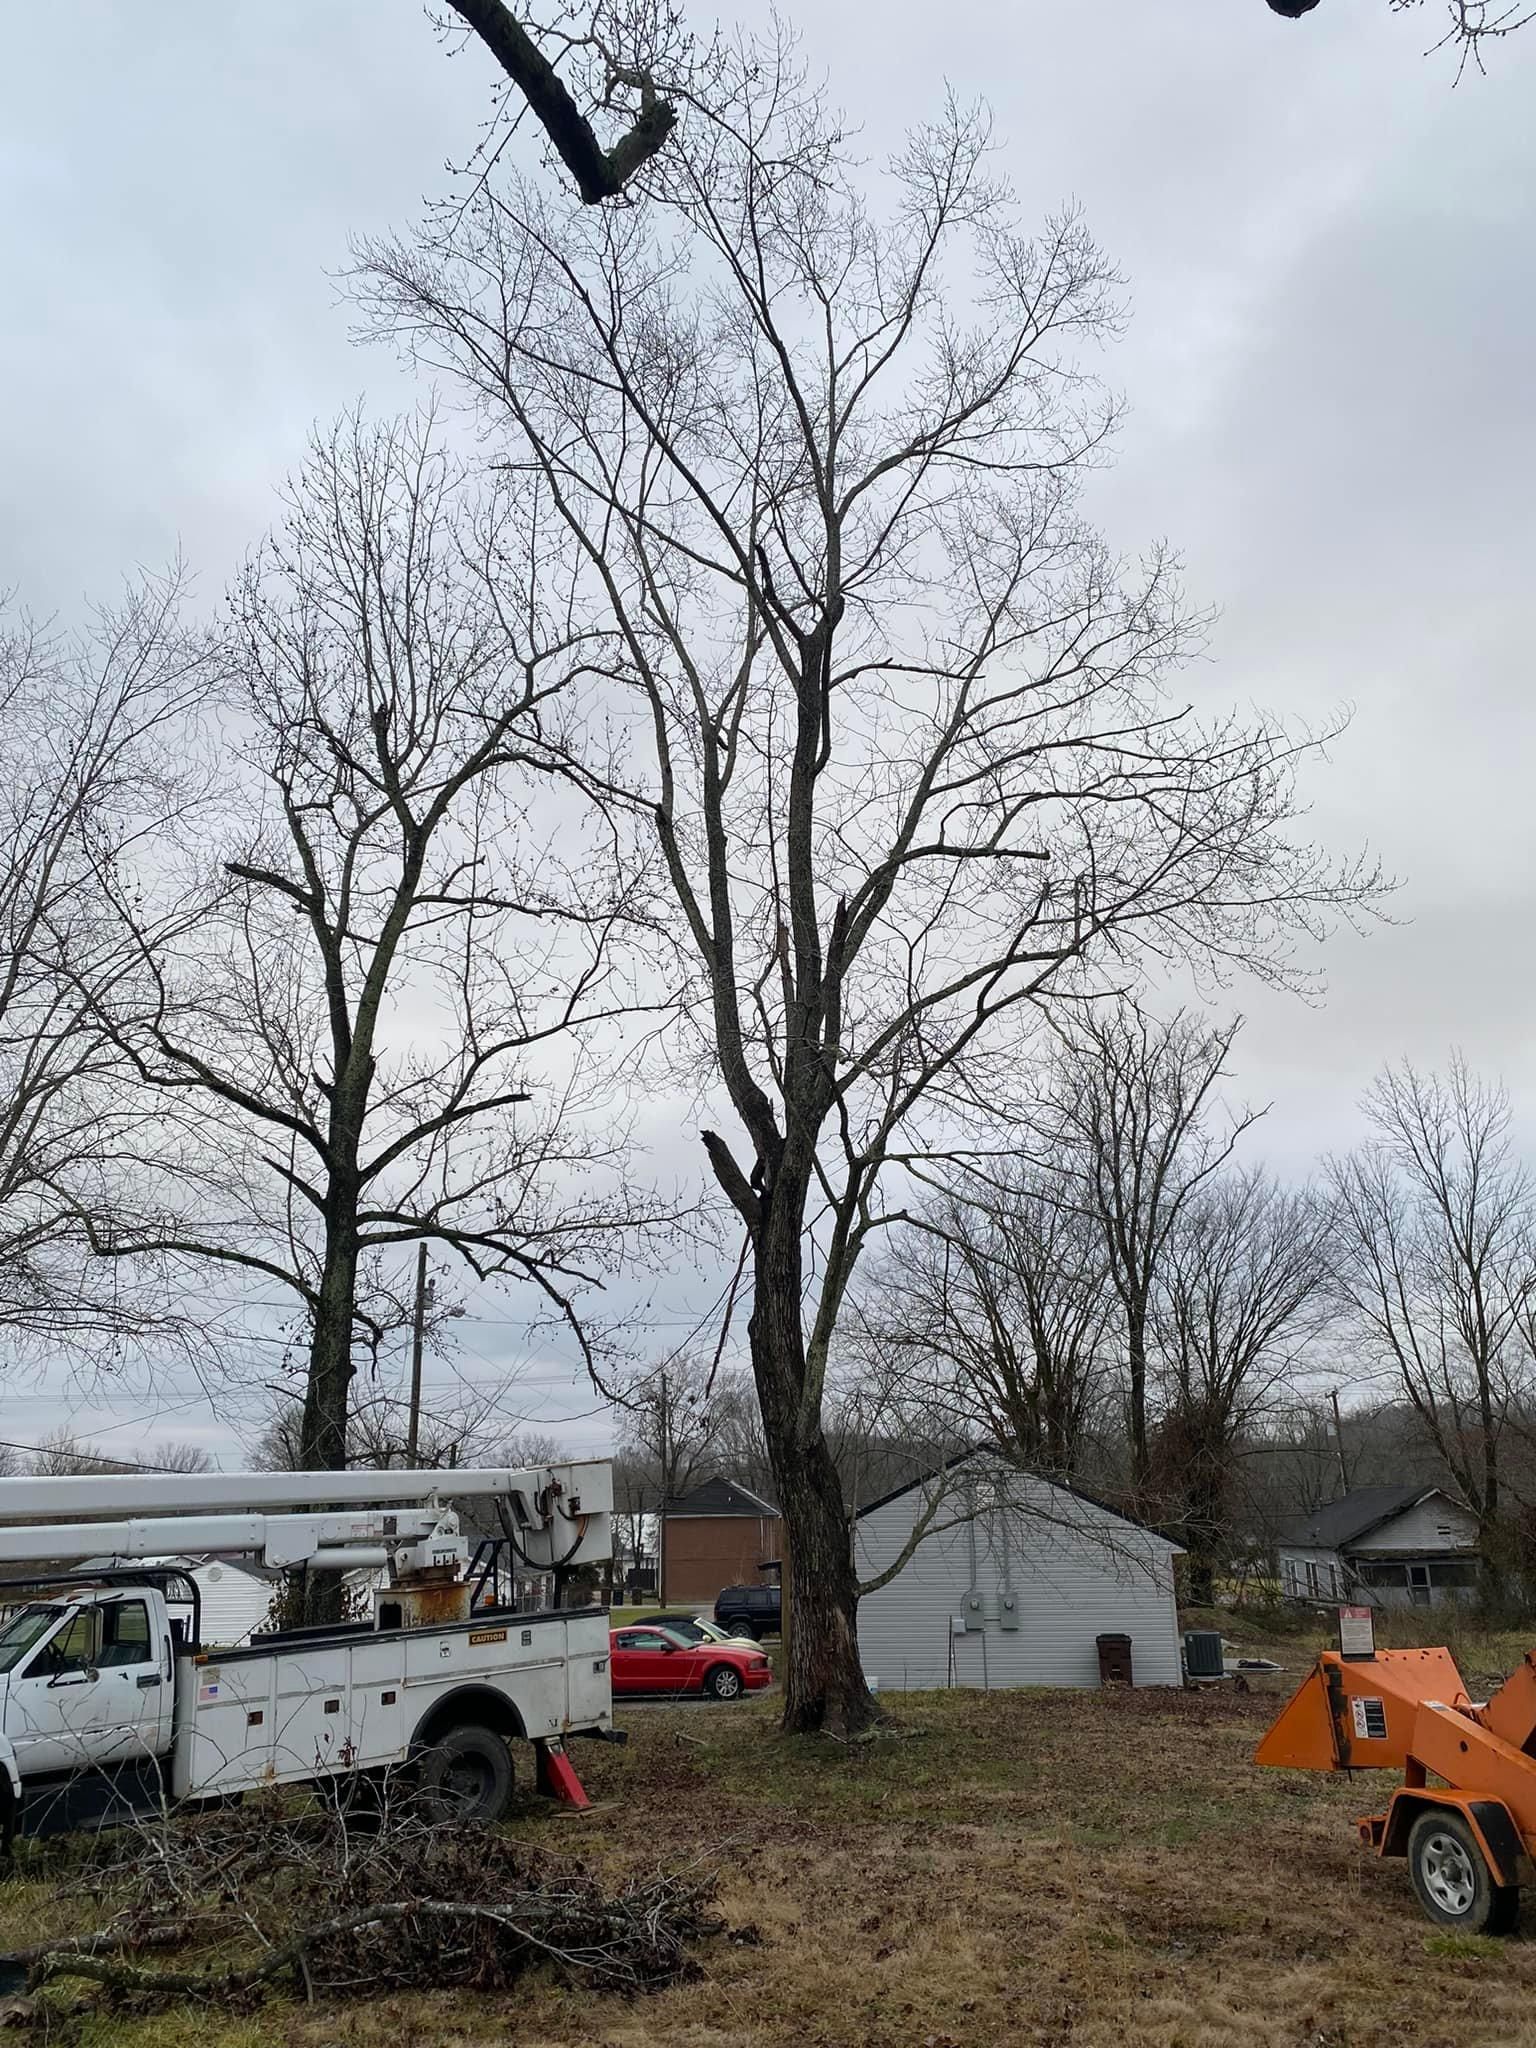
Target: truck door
(78,1700)
(135,1665)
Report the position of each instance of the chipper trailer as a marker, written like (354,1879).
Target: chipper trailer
(111,1705)
(1465,1812)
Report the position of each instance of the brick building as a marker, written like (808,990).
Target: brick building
(718,1534)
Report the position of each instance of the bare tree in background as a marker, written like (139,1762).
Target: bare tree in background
(466,1431)
(912,768)
(98,753)
(369,1030)
(672,1429)
(1433,1255)
(63,1455)
(1239,1293)
(1000,1309)
(1131,1110)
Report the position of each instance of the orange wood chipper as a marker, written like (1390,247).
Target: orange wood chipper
(1465,1813)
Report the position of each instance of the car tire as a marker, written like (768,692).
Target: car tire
(723,1682)
(1452,1879)
(466,1775)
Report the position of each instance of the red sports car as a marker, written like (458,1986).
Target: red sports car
(654,1663)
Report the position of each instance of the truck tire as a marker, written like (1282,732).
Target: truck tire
(466,1775)
(1451,1876)
(723,1682)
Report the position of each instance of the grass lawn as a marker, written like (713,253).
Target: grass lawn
(1100,1869)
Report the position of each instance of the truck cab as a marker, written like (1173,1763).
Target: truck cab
(87,1686)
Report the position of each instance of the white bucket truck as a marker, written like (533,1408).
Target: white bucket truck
(111,1706)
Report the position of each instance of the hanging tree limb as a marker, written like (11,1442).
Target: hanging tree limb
(600,174)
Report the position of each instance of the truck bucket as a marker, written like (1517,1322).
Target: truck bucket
(1302,1738)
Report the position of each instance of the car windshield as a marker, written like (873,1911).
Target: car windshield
(687,1631)
(22,1631)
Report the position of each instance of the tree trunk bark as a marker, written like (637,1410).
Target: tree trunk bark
(327,1395)
(1136,1356)
(824,1684)
(1492,1537)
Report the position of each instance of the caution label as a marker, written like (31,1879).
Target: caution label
(487,1635)
(1370,1718)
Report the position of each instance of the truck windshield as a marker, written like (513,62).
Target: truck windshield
(22,1630)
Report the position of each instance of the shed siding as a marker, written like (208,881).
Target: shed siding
(1079,1574)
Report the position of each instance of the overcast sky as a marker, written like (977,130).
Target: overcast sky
(1329,252)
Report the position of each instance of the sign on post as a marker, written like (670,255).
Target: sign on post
(1357,1632)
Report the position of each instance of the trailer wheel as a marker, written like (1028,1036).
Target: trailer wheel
(1452,1878)
(723,1682)
(467,1775)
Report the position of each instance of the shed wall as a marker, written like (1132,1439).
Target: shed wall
(1076,1572)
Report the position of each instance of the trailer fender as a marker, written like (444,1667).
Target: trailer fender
(482,1705)
(1490,1820)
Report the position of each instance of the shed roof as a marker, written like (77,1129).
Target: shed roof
(1043,1478)
(1343,1521)
(719,1496)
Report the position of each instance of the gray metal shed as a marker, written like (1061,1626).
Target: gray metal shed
(1011,1584)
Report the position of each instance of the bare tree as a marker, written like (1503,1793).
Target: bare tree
(368,1028)
(672,1429)
(1239,1295)
(1000,1308)
(612,52)
(461,1431)
(911,769)
(98,752)
(63,1455)
(1131,1106)
(1433,1256)
(1470,25)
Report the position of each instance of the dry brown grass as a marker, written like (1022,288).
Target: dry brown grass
(1101,1869)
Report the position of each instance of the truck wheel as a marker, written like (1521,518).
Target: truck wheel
(1452,1878)
(723,1682)
(467,1775)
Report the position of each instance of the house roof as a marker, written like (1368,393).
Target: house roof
(1338,1522)
(719,1496)
(1060,1486)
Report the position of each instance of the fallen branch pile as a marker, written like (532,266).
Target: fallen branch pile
(254,1900)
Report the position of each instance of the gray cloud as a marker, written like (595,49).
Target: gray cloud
(1328,253)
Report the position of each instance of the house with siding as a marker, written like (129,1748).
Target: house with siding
(715,1535)
(1381,1546)
(235,1594)
(1012,1583)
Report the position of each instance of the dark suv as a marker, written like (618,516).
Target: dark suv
(750,1610)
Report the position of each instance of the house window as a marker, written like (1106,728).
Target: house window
(1381,1574)
(1314,1587)
(1418,1584)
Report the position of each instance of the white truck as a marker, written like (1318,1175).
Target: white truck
(111,1706)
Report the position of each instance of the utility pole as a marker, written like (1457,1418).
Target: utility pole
(418,1338)
(662,1492)
(1338,1432)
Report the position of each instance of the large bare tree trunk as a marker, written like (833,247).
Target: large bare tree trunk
(823,1681)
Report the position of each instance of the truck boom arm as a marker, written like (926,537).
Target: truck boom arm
(557,1514)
